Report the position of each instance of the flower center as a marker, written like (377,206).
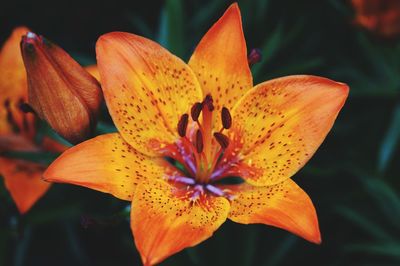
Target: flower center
(202,156)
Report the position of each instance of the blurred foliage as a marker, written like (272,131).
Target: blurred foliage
(354,178)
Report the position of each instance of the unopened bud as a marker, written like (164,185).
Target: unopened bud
(254,57)
(59,89)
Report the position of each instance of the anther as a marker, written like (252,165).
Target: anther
(182,125)
(254,57)
(222,140)
(195,111)
(226,118)
(199,141)
(7,103)
(24,107)
(208,101)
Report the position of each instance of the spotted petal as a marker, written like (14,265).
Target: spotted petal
(146,89)
(13,91)
(282,122)
(164,221)
(284,205)
(105,163)
(23,180)
(220,62)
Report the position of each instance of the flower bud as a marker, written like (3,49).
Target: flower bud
(381,17)
(254,57)
(59,89)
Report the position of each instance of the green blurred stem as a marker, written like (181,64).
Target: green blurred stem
(281,251)
(22,247)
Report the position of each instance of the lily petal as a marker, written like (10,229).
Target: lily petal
(14,90)
(220,62)
(284,205)
(23,180)
(147,89)
(164,222)
(94,71)
(282,122)
(105,163)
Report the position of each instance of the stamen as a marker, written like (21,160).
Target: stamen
(184,180)
(199,141)
(226,118)
(10,118)
(197,192)
(182,125)
(208,101)
(196,110)
(254,57)
(215,190)
(222,140)
(26,108)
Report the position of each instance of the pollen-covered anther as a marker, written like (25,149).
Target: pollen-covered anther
(199,141)
(226,118)
(182,125)
(196,110)
(222,140)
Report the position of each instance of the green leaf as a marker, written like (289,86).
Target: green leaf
(53,214)
(250,244)
(281,251)
(388,249)
(174,22)
(204,14)
(194,256)
(390,141)
(4,235)
(141,25)
(364,223)
(22,247)
(104,128)
(386,198)
(270,47)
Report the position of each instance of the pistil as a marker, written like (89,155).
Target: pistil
(203,159)
(208,108)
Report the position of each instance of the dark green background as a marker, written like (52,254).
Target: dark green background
(353,179)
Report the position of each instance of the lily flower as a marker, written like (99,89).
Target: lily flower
(18,129)
(186,129)
(60,90)
(379,16)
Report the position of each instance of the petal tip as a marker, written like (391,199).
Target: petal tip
(233,12)
(234,7)
(316,237)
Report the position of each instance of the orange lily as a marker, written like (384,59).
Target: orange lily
(184,129)
(18,129)
(379,16)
